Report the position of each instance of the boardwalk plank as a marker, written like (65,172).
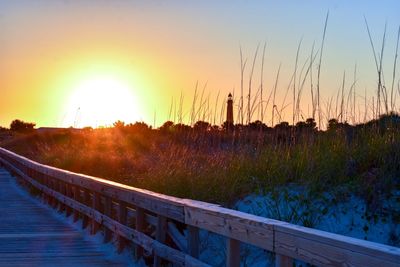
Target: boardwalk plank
(32,235)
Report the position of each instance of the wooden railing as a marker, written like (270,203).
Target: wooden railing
(154,223)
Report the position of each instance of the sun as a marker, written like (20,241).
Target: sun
(101,101)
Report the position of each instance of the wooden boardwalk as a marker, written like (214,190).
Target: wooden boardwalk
(33,235)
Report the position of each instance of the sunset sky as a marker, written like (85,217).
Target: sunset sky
(87,62)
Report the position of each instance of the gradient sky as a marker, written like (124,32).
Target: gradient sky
(160,49)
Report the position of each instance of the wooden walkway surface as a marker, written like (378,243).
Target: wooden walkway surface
(33,235)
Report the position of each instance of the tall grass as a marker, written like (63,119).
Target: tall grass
(218,166)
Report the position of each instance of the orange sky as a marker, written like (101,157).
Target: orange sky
(159,50)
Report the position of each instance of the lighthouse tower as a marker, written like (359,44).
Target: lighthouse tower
(229,112)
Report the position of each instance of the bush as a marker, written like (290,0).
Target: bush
(21,126)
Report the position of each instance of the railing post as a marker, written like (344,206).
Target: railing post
(48,185)
(68,191)
(193,241)
(96,207)
(45,183)
(140,224)
(77,197)
(108,213)
(52,198)
(86,202)
(122,218)
(61,189)
(54,188)
(232,253)
(283,261)
(161,233)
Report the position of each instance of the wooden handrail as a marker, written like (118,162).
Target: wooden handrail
(97,199)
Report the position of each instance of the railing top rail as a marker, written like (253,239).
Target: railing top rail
(169,206)
(313,246)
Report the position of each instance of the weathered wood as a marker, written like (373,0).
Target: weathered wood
(325,254)
(244,227)
(32,235)
(176,236)
(85,201)
(283,261)
(193,241)
(122,218)
(140,227)
(43,194)
(61,187)
(151,245)
(68,193)
(149,218)
(107,212)
(232,253)
(161,234)
(158,203)
(53,186)
(147,200)
(345,243)
(95,206)
(48,184)
(144,241)
(47,198)
(77,196)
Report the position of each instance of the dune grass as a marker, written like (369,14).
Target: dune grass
(218,166)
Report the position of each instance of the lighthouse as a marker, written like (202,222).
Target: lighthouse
(229,112)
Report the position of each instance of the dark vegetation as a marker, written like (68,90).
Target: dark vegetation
(21,126)
(210,163)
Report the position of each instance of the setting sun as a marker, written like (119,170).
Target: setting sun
(100,101)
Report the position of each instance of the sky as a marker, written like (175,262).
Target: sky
(79,63)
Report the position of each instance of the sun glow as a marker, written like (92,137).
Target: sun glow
(100,102)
